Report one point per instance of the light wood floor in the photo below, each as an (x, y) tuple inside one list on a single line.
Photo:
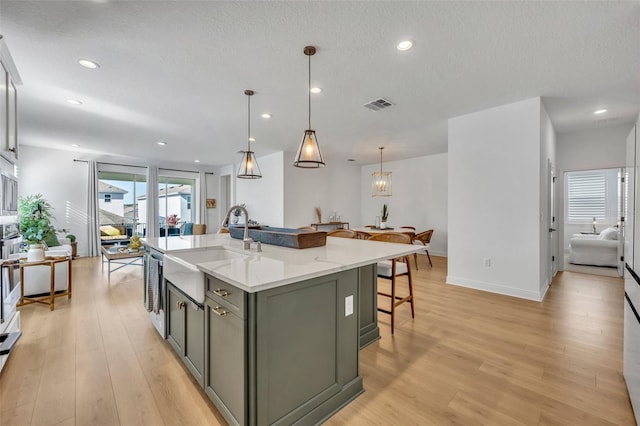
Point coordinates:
[(469, 357)]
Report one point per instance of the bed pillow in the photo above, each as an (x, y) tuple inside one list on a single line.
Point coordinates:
[(609, 234)]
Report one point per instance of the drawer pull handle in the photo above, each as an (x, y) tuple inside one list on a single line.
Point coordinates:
[(219, 311), (180, 304), (221, 292)]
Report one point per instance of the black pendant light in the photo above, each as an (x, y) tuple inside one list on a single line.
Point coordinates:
[(309, 155), (249, 166)]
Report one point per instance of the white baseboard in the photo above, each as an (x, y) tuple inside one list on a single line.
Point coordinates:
[(496, 288)]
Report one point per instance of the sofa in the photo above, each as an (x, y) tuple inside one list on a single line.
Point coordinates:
[(595, 250), (37, 278)]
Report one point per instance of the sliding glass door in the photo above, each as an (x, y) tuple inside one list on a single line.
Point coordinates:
[(122, 203), (177, 201)]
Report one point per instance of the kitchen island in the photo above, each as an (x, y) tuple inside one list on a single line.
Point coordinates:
[(273, 336)]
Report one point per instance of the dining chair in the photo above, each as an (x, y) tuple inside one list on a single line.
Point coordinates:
[(369, 226), (307, 228), (391, 269), (361, 235), (423, 238), (342, 233), (409, 227)]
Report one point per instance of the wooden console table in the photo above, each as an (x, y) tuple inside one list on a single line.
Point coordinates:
[(50, 298)]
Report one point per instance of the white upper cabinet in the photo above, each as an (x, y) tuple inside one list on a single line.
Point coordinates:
[(9, 79)]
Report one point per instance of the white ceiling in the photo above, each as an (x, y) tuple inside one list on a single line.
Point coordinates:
[(176, 71)]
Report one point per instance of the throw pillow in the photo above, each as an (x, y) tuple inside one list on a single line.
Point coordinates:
[(51, 240), (609, 234), (109, 230)]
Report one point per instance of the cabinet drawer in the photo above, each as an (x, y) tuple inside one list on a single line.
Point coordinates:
[(226, 295)]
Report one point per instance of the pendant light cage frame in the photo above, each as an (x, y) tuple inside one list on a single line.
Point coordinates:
[(249, 168), (381, 182), (309, 155)]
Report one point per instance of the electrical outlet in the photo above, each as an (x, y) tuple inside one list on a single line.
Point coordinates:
[(486, 262), (348, 306)]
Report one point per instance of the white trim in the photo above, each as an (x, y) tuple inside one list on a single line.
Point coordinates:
[(7, 61), (496, 288)]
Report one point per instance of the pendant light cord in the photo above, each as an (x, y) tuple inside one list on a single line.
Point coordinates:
[(309, 91), (249, 124), (381, 148)]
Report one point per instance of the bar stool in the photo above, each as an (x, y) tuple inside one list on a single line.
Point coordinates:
[(391, 269)]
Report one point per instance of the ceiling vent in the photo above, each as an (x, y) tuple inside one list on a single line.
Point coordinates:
[(378, 104)]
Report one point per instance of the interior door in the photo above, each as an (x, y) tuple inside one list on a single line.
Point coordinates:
[(551, 201), (622, 190)]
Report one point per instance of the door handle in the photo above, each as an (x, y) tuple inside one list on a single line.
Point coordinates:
[(552, 229)]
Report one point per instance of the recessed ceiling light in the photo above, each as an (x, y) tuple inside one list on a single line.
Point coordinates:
[(405, 45), (161, 143), (75, 145), (266, 115), (316, 90), (252, 139), (196, 161), (74, 102), (600, 111), (89, 64)]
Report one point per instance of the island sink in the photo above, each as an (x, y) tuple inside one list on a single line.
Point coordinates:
[(181, 268)]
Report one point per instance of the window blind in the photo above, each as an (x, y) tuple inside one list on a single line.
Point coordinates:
[(586, 196)]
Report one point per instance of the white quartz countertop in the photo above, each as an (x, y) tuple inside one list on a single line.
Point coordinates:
[(277, 266)]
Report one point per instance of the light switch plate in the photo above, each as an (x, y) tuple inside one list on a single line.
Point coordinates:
[(348, 306)]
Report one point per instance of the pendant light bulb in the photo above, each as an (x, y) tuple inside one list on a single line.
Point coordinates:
[(381, 181), (309, 155), (248, 165)]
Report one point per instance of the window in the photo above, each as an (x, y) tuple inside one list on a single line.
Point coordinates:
[(107, 198), (592, 194)]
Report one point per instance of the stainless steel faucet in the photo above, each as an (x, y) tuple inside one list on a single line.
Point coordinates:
[(245, 239)]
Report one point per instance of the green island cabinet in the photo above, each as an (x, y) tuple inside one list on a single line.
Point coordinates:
[(185, 330), (288, 354)]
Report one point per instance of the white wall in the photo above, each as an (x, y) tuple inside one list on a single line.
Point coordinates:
[(264, 197), (335, 187), (494, 205), (600, 148), (419, 197), (63, 182)]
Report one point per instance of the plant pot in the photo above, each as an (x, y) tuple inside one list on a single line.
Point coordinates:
[(35, 253), (383, 225)]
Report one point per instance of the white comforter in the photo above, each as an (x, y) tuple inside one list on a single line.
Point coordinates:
[(589, 250)]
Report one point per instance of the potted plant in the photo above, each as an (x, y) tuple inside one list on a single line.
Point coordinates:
[(35, 224), (74, 246), (385, 216), (173, 220)]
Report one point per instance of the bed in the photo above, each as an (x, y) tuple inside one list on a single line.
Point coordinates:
[(595, 250)]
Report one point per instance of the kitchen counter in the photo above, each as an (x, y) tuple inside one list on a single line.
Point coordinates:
[(276, 266), (273, 336)]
